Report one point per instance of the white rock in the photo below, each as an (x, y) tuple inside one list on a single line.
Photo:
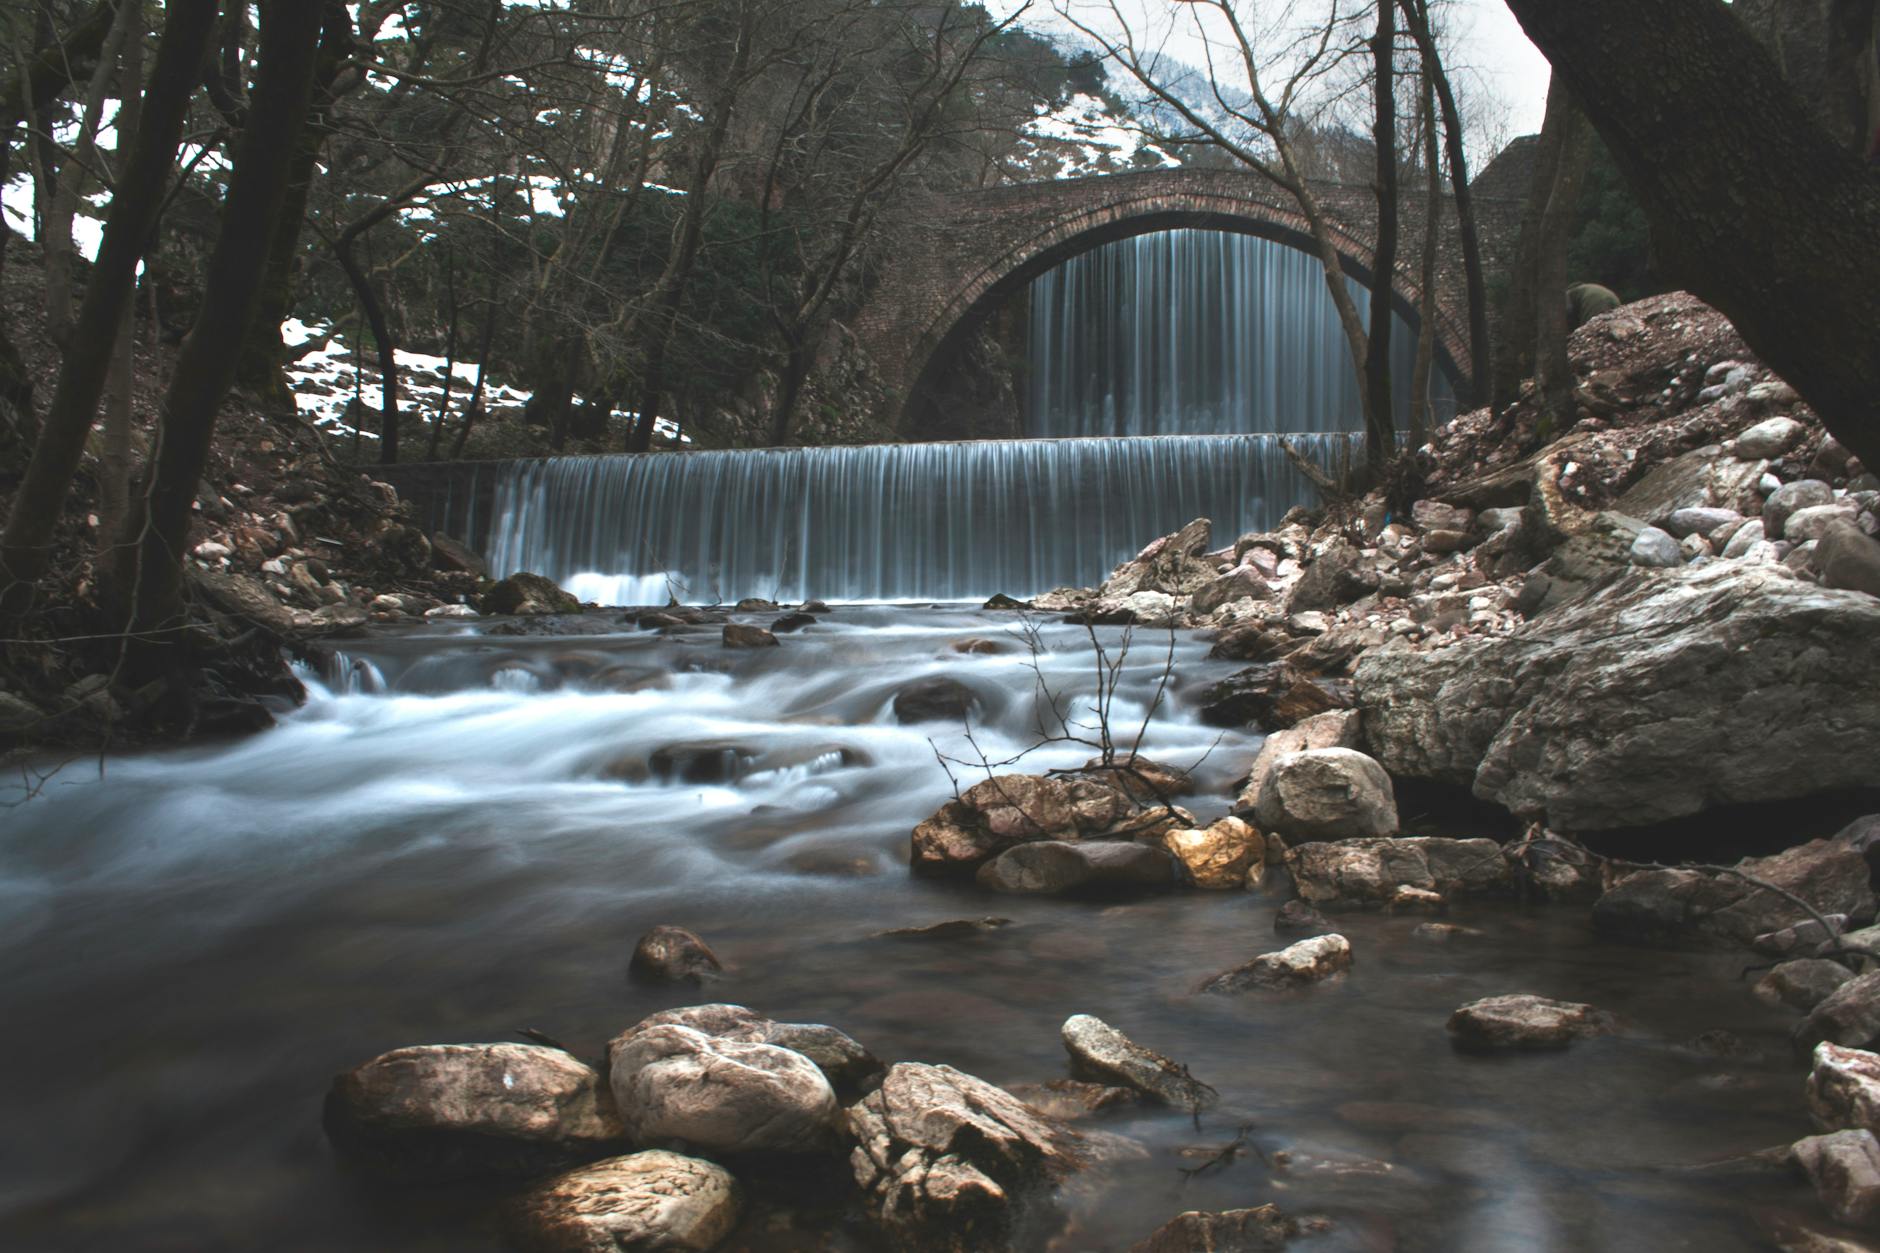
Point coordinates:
[(1771, 437)]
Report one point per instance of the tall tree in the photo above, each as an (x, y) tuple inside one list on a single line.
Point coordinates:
[(1752, 205), (156, 530), (1553, 371), (1377, 380), (1519, 315)]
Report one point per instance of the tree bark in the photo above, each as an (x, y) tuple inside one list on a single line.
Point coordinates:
[(1381, 413), (158, 527), (1553, 370), (25, 545), (114, 485), (1753, 207), (1513, 358), (55, 235), (1432, 239), (1475, 388)]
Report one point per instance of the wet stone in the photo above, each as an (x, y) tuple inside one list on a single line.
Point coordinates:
[(673, 955), (1801, 984), (1524, 1021), (1230, 1231), (1102, 1053), (651, 1200), (1308, 961)]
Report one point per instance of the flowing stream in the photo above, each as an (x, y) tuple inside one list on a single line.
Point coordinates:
[(462, 833)]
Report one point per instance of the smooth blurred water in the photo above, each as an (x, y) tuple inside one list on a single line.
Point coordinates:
[(462, 834), (1200, 332)]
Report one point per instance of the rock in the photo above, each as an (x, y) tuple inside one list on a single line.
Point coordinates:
[(1070, 1099), (1850, 1016), (517, 593), (935, 698), (1297, 916), (991, 817), (1655, 548), (243, 597), (1337, 576), (1745, 538), (1327, 794), (1805, 936), (1308, 961), (677, 1084), (1252, 641), (792, 622), (1241, 582), (1525, 1021), (1219, 857), (1367, 873), (1443, 932), (1431, 515), (1848, 558), (951, 929), (1149, 608), (1102, 1053), (1275, 694), (1844, 1088), (1801, 984), (845, 1063), (1702, 476), (1699, 520), (1658, 697), (454, 1111), (1262, 1230), (741, 635), (653, 1201), (452, 611), (19, 716), (1336, 729), (1771, 437), (1655, 906), (1806, 525), (1172, 565), (673, 955), (1845, 1168), (1060, 868), (948, 1163), (1138, 778), (1788, 499), (452, 554)]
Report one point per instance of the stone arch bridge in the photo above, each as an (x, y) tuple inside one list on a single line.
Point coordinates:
[(974, 249)]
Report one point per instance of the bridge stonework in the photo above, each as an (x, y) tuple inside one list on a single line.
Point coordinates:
[(973, 249)]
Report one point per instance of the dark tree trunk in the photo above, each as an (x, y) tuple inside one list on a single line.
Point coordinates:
[(1513, 357), (374, 310), (24, 547), (1380, 440), (1752, 206), (1432, 241), (1553, 370), (157, 529), (1474, 388), (450, 355)]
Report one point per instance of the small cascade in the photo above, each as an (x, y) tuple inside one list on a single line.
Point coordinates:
[(887, 522), (1199, 332)]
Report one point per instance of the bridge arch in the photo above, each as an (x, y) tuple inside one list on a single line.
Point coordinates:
[(987, 246)]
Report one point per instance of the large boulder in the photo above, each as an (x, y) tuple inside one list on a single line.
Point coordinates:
[(527, 593), (1659, 697), (1174, 565), (1656, 906), (1308, 961), (1327, 794), (1011, 809), (646, 1201), (1844, 1088), (1844, 1166), (1362, 874), (452, 1111), (1848, 558), (1101, 1053), (1093, 868), (1243, 582), (1850, 1016), (849, 1067), (948, 1163), (1219, 856), (1274, 694), (1337, 729), (1337, 576), (725, 1094)]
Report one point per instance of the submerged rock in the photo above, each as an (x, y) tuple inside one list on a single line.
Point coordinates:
[(948, 1163), (1060, 868), (1071, 1099), (673, 955), (1654, 906), (741, 635), (1327, 794), (1262, 1230), (1101, 1052), (1844, 1166), (652, 1200), (1297, 916), (1524, 1021), (1660, 696), (452, 1111), (1308, 961), (1801, 984), (935, 698)]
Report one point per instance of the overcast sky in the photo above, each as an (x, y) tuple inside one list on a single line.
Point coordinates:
[(1483, 32)]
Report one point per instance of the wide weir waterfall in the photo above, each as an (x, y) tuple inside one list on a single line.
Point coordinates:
[(884, 522), (1194, 332)]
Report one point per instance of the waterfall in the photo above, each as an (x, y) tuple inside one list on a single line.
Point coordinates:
[(884, 522), (1197, 331)]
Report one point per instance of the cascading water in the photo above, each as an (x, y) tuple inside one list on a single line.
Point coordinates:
[(1198, 332), (886, 522)]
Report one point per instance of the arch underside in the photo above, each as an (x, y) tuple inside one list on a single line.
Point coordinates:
[(999, 279)]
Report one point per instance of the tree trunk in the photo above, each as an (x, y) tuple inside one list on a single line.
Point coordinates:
[(1753, 207), (158, 527), (55, 235), (374, 310), (450, 356), (24, 546), (1552, 368), (1513, 358), (1381, 413), (1475, 388), (114, 486), (1432, 240)]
